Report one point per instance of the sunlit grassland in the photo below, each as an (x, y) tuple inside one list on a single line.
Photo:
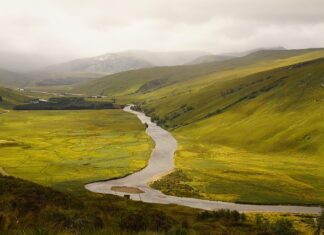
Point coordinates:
[(222, 173), (271, 156), (203, 92), (265, 149), (66, 149)]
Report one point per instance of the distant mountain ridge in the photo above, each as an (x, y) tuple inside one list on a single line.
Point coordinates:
[(128, 60)]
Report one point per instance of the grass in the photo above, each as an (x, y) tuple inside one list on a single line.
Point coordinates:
[(250, 129), (27, 208), (66, 149), (11, 98), (267, 148)]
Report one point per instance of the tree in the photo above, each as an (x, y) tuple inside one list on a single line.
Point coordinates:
[(284, 227), (319, 224)]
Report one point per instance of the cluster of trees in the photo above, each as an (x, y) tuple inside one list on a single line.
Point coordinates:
[(65, 103), (164, 122), (228, 215)]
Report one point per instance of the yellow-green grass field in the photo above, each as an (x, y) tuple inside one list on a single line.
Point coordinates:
[(263, 151), (66, 149), (268, 148)]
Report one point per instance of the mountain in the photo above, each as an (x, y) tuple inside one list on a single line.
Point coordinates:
[(170, 58), (210, 58), (12, 79), (129, 60), (245, 53), (108, 63)]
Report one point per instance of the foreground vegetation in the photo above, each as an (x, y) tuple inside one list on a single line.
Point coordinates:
[(27, 208), (66, 149)]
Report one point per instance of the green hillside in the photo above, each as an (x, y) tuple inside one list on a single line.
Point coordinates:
[(133, 84), (255, 138), (261, 142), (249, 128), (10, 98)]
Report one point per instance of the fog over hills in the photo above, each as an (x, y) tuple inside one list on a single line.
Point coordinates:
[(128, 60), (12, 79)]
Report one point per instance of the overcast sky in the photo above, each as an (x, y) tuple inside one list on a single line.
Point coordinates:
[(78, 28)]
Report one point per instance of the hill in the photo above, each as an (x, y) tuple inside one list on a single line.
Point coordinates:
[(257, 140), (210, 58), (10, 98), (11, 79), (48, 80), (139, 84), (240, 122)]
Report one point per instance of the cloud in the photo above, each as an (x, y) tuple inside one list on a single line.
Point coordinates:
[(73, 28)]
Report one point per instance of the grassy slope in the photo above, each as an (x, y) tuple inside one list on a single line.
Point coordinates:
[(262, 148), (11, 98), (275, 137), (66, 149), (145, 80)]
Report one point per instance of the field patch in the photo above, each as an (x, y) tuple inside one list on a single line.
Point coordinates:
[(66, 149)]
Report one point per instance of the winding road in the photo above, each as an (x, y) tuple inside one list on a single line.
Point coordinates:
[(160, 163)]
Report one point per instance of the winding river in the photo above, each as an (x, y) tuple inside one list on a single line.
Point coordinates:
[(161, 163)]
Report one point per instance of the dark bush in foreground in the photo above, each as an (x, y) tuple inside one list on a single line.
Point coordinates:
[(146, 221), (282, 226), (222, 214)]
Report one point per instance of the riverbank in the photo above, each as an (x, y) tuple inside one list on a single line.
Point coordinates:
[(162, 162)]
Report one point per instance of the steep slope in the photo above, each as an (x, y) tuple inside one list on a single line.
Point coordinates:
[(256, 140), (11, 79), (141, 84)]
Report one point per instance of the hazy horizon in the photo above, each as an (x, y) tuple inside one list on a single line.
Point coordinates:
[(37, 33)]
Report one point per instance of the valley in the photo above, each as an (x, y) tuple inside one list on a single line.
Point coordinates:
[(247, 134), (177, 117), (254, 123)]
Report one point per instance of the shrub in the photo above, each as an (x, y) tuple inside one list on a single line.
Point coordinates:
[(150, 220), (283, 227), (233, 216)]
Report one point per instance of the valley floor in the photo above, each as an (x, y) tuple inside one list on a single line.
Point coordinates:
[(66, 149), (227, 174)]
